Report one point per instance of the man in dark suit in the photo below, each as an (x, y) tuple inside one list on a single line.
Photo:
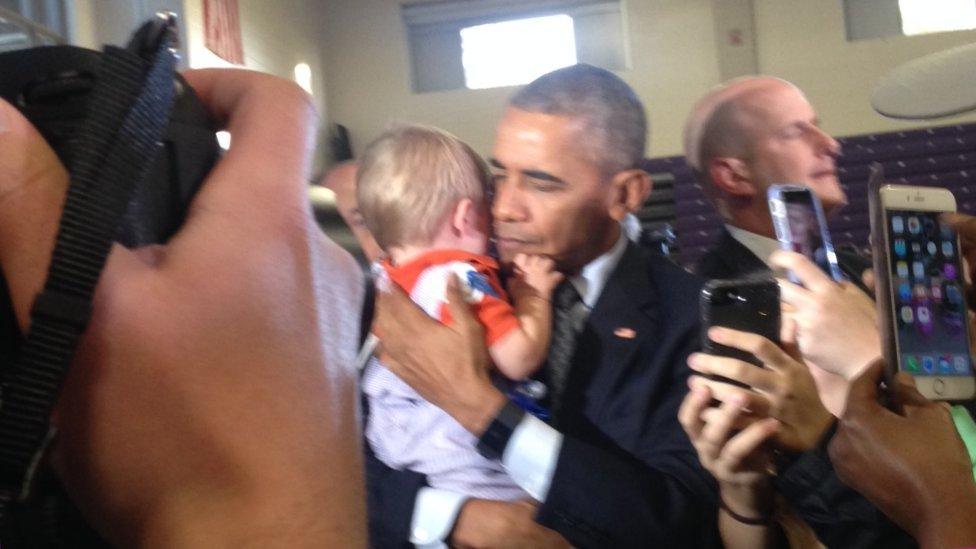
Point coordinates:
[(612, 468), (740, 139)]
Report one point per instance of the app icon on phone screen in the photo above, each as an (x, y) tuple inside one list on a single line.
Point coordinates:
[(907, 316), (900, 249), (914, 226), (897, 224), (924, 315), (904, 292)]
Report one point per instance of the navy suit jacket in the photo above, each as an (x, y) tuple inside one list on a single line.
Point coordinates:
[(626, 475)]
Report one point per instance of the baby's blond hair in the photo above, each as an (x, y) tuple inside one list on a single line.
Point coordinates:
[(412, 177)]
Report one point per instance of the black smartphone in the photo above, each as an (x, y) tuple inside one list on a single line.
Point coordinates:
[(746, 304), (800, 226)]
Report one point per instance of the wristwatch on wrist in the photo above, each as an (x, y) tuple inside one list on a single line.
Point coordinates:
[(495, 438)]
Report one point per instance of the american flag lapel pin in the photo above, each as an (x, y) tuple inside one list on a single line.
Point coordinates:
[(625, 333)]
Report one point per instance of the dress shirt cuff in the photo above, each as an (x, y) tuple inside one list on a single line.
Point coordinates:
[(434, 515), (531, 455)]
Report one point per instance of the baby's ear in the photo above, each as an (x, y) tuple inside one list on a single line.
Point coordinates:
[(465, 217)]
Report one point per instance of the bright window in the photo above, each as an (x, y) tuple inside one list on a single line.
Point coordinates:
[(516, 52), (925, 16), (303, 76)]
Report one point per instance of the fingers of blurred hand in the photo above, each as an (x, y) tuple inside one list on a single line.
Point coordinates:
[(716, 432), (806, 271), (862, 397), (272, 122), (520, 261), (396, 316), (795, 297), (964, 224), (690, 411), (746, 443), (788, 339), (787, 330), (734, 369), (905, 391), (742, 421), (753, 403), (546, 263), (868, 279), (765, 350)]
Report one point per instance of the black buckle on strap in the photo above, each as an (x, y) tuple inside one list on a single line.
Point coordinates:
[(62, 308)]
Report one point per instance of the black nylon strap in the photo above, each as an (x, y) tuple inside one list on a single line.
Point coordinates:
[(108, 161)]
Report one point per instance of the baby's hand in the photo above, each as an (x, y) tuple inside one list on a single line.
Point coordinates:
[(538, 273)]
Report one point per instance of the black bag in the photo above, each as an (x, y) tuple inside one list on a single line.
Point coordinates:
[(137, 144)]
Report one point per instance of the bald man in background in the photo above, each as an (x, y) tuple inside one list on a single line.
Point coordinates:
[(341, 180), (741, 138)]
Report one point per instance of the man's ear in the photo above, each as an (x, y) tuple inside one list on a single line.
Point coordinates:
[(731, 176), (630, 189)]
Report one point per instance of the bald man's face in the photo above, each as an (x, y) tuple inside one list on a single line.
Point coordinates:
[(788, 145)]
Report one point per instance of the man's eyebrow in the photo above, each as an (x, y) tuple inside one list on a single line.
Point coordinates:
[(534, 174), (543, 176)]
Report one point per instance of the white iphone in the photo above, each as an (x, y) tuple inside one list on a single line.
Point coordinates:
[(927, 292)]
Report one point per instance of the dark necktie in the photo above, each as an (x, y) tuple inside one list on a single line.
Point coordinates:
[(567, 315)]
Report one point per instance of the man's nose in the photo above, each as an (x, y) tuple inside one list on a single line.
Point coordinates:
[(507, 205), (829, 145)]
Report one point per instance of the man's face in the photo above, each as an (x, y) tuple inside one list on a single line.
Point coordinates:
[(789, 146), (549, 198), (342, 182)]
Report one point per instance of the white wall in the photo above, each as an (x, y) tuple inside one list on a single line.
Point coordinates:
[(277, 34), (673, 51), (100, 22), (671, 48), (804, 42)]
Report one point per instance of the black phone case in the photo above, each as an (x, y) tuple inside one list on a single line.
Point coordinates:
[(746, 304)]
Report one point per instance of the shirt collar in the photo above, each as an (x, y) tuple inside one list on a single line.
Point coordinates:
[(593, 277), (761, 246)]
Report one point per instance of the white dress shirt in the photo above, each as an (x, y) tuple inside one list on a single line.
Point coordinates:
[(533, 450), (761, 246)]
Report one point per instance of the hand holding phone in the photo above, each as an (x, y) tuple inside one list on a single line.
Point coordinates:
[(925, 289), (801, 227)]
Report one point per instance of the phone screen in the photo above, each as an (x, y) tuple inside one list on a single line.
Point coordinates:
[(928, 301), (806, 235)]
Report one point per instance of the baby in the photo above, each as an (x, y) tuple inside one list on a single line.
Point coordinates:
[(424, 196)]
